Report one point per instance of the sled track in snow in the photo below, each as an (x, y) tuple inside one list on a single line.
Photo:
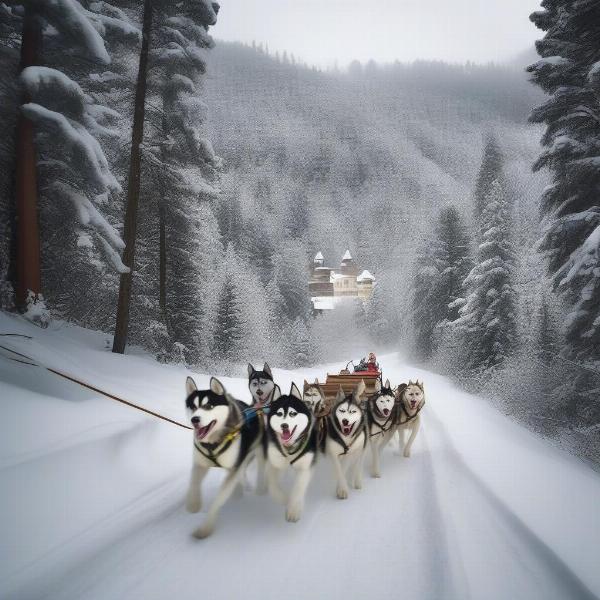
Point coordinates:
[(559, 576)]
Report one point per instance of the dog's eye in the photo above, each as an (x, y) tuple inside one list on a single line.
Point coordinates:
[(293, 413), (280, 413), (342, 410)]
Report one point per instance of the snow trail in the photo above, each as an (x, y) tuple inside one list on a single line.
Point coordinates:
[(92, 503)]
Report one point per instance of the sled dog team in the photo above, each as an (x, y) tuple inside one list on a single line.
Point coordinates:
[(290, 433)]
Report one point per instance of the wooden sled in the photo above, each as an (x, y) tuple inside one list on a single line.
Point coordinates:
[(349, 381)]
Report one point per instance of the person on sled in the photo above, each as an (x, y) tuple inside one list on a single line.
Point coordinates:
[(368, 364)]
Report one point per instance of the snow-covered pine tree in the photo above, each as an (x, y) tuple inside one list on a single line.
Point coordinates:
[(487, 318), (242, 331), (453, 258), (75, 178), (258, 247), (569, 71), (301, 345), (179, 243), (428, 308), (228, 333), (491, 170), (291, 275), (442, 267), (185, 171)]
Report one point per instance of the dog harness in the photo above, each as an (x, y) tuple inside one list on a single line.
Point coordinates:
[(389, 421), (213, 451), (359, 430), (301, 444), (409, 418)]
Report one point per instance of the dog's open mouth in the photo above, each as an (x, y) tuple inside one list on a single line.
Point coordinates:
[(386, 412), (347, 429), (287, 435), (413, 404), (202, 432)]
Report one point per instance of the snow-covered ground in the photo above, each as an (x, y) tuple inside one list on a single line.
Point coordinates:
[(91, 502)]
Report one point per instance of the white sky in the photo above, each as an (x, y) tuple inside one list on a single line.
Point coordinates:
[(323, 31)]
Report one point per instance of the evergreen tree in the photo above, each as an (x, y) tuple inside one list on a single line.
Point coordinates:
[(452, 259), (258, 247), (228, 330), (569, 71), (301, 350), (428, 307), (291, 275), (442, 267), (179, 172), (491, 170), (68, 123), (487, 318)]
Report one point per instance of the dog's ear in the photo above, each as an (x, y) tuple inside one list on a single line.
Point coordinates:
[(316, 381), (305, 386), (377, 385), (217, 387), (267, 369), (295, 392), (387, 384), (276, 393), (250, 369), (340, 395), (360, 389), (410, 382), (190, 386)]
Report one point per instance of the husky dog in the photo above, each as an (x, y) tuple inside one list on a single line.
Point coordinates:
[(313, 396), (382, 422), (261, 385), (347, 437), (223, 437), (410, 400), (291, 441)]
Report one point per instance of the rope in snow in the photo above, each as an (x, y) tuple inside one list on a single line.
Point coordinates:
[(24, 359)]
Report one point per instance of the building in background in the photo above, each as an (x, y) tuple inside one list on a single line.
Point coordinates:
[(328, 285)]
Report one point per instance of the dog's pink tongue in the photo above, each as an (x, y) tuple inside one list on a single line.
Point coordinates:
[(286, 434), (202, 431)]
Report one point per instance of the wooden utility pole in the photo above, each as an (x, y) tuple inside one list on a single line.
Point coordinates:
[(27, 230), (133, 187)]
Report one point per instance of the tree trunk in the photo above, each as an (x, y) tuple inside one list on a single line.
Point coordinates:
[(162, 285), (133, 188), (28, 236)]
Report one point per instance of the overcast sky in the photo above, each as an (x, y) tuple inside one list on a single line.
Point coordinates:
[(323, 31)]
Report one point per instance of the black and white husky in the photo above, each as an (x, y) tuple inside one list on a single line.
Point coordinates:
[(261, 385), (313, 396), (347, 437), (382, 422), (410, 401), (291, 442), (223, 437)]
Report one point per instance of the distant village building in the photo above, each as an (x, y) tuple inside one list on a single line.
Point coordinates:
[(327, 285)]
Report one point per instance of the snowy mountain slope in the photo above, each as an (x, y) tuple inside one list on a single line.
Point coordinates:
[(92, 498)]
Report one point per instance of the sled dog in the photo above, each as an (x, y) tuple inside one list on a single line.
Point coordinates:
[(346, 438), (223, 437), (381, 422), (313, 396), (410, 401), (261, 385), (291, 441)]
